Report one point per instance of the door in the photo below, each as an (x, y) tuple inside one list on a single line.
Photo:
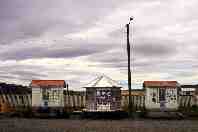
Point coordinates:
[(162, 98)]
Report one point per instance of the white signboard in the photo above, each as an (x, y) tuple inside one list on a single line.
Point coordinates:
[(103, 99)]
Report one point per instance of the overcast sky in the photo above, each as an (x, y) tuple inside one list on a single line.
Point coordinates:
[(79, 40)]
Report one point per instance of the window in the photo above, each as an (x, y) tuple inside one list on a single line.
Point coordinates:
[(54, 96), (188, 93), (46, 104), (45, 94)]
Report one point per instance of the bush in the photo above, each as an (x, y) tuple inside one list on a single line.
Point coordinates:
[(194, 108)]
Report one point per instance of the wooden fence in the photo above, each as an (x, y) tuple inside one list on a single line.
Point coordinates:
[(74, 101), (8, 101), (187, 101), (138, 102), (78, 101)]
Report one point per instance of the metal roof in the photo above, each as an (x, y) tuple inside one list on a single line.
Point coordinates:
[(103, 81), (160, 84), (48, 83), (189, 86)]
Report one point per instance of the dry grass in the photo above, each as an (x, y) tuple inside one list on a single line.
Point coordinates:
[(66, 125)]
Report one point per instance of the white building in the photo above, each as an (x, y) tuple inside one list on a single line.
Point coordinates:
[(161, 95), (47, 93), (103, 94)]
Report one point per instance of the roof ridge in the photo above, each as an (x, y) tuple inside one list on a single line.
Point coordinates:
[(103, 81), (99, 78), (111, 80)]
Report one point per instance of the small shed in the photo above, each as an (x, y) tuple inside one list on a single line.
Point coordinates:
[(47, 93), (188, 90), (161, 95), (103, 94)]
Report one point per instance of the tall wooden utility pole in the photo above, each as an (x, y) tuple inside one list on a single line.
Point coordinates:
[(129, 69), (68, 98)]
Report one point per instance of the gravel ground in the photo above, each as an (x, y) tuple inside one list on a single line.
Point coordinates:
[(66, 125)]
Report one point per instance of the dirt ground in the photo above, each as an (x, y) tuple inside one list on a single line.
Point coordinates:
[(68, 125)]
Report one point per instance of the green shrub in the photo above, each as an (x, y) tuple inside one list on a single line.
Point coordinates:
[(194, 108)]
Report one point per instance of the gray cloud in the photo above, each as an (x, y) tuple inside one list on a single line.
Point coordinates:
[(23, 19), (161, 32), (57, 50), (155, 49), (21, 73), (144, 52)]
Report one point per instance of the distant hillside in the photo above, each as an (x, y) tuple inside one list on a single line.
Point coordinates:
[(13, 89)]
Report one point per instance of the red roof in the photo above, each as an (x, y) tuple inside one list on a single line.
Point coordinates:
[(160, 84), (48, 83)]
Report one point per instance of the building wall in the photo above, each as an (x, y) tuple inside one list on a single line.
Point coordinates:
[(36, 97), (116, 93), (55, 99), (96, 102), (153, 102), (90, 99)]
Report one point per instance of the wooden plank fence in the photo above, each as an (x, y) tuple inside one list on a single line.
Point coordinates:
[(186, 101), (10, 102), (77, 102), (138, 102)]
